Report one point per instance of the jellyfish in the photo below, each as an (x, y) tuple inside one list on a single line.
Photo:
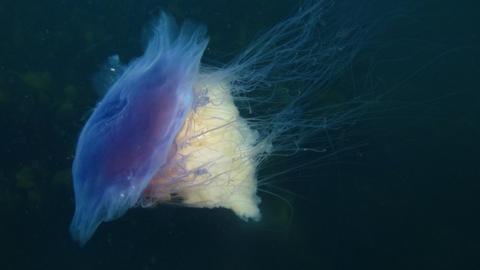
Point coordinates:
[(172, 128)]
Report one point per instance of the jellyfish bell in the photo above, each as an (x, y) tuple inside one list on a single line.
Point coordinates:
[(130, 135), (171, 129)]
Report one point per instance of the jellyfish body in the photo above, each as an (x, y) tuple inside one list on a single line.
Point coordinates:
[(130, 135), (169, 128)]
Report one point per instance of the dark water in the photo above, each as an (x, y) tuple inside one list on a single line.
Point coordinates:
[(406, 199)]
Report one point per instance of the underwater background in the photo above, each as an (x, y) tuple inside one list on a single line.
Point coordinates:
[(405, 196)]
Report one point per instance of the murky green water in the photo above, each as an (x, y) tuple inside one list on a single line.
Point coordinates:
[(405, 198)]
